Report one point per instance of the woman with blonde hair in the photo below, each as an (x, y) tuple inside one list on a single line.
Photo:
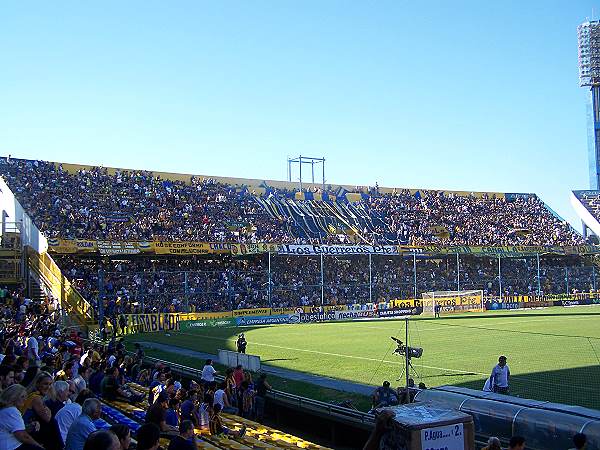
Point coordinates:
[(35, 410), (12, 428)]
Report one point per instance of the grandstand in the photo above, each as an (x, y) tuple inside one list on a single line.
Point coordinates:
[(115, 252)]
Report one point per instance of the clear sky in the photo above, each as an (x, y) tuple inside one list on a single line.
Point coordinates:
[(466, 95)]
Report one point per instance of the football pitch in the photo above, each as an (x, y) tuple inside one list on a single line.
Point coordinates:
[(553, 353)]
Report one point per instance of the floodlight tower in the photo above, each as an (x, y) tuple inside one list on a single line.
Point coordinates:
[(588, 35)]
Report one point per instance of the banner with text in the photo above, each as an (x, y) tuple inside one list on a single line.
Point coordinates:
[(190, 248)]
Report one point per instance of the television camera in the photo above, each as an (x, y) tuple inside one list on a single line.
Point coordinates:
[(407, 352)]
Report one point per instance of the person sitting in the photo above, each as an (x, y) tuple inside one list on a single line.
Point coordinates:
[(34, 410), (384, 396), (172, 416), (516, 443), (70, 412), (216, 424), (102, 440), (185, 440), (83, 425), (57, 396), (157, 414), (13, 434), (407, 395), (493, 443), (123, 434), (112, 390), (148, 437)]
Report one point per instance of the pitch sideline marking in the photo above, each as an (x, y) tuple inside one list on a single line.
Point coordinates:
[(466, 372)]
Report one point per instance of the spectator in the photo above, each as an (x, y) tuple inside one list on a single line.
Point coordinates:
[(102, 440), (123, 433), (208, 372), (216, 424), (57, 396), (81, 380), (516, 443), (148, 437), (384, 396), (579, 441), (205, 411), (493, 443), (83, 425), (7, 376), (157, 414), (188, 407), (262, 387), (185, 440), (70, 412), (12, 428), (220, 398), (172, 416), (34, 410)]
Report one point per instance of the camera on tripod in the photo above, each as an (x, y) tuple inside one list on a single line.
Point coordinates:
[(408, 352)]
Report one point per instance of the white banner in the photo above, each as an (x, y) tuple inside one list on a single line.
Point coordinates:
[(448, 437), (355, 315), (337, 250)]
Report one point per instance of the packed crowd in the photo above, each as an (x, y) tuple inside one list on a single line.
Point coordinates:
[(225, 283), (51, 383), (137, 205)]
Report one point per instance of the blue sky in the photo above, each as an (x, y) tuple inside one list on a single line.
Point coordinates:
[(448, 95)]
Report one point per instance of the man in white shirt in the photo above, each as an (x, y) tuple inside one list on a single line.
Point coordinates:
[(221, 398), (70, 412), (208, 372), (32, 350), (500, 376)]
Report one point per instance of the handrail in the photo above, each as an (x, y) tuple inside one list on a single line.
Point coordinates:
[(45, 267)]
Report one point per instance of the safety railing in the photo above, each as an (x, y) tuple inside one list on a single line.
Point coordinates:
[(51, 276)]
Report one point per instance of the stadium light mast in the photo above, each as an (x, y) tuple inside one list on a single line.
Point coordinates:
[(588, 36), (300, 160)]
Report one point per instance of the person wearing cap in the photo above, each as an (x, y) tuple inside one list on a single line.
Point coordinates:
[(500, 376)]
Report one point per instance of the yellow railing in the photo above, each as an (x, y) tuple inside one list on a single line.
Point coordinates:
[(51, 276)]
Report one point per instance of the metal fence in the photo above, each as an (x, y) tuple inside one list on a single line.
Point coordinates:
[(279, 281)]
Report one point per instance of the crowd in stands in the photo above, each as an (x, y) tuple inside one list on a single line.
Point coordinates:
[(137, 205), (225, 283), (53, 385)]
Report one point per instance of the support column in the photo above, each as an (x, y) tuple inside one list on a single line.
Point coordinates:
[(500, 277), (269, 279), (539, 282), (186, 292), (322, 283), (414, 276), (457, 272), (370, 279)]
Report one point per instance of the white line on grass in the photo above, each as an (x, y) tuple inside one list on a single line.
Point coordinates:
[(464, 372), (339, 355)]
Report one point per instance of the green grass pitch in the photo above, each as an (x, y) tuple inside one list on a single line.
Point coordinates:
[(553, 353)]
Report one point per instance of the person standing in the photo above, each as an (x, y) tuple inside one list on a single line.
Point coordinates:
[(500, 376), (208, 372), (241, 343)]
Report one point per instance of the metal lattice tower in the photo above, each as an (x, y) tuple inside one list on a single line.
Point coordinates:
[(588, 34)]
